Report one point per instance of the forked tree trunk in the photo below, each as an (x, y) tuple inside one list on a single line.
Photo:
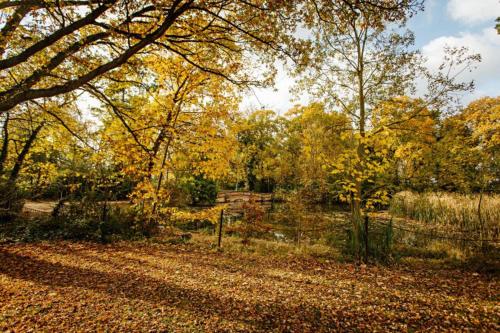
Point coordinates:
[(14, 174)]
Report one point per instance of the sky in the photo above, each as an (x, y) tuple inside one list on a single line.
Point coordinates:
[(467, 23)]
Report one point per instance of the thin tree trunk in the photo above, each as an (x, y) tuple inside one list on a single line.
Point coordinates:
[(164, 160), (357, 198), (154, 152), (5, 143), (366, 239)]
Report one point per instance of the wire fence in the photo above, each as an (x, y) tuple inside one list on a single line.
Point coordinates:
[(377, 221), (436, 236)]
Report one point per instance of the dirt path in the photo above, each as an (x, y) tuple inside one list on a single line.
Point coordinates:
[(46, 207), (41, 207), (233, 200), (61, 286)]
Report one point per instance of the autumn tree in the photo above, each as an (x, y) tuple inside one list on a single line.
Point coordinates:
[(305, 151), (467, 152), (36, 138), (359, 63), (288, 152), (21, 130), (163, 133), (411, 143), (257, 138), (361, 59), (50, 48)]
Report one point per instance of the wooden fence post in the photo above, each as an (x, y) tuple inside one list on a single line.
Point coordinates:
[(220, 228), (366, 239)]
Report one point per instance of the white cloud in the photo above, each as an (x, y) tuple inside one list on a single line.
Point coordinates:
[(277, 98), (486, 76), (474, 11), (486, 43)]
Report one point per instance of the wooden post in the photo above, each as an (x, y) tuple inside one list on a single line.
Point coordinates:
[(366, 239), (220, 228), (105, 211)]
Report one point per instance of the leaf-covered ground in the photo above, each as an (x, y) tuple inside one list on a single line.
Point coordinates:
[(63, 286)]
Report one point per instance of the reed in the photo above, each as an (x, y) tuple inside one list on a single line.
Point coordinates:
[(473, 215)]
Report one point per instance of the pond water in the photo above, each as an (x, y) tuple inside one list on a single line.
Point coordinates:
[(284, 221)]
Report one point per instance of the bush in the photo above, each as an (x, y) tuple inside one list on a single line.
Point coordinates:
[(80, 220), (300, 221), (252, 224), (11, 202), (201, 190)]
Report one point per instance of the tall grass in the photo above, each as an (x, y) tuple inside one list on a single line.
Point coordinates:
[(472, 215)]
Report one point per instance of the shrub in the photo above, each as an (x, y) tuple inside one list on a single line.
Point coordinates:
[(11, 202), (81, 220), (201, 190), (252, 224)]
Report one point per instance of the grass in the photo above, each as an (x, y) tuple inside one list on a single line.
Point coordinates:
[(262, 247)]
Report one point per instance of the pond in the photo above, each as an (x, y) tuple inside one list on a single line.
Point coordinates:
[(283, 221)]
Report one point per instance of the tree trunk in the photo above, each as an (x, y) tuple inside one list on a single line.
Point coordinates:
[(355, 221), (165, 155), (5, 144), (154, 152), (14, 174), (358, 195)]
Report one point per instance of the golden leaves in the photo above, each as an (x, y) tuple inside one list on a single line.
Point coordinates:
[(147, 287)]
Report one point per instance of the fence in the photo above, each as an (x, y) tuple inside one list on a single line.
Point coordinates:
[(436, 236)]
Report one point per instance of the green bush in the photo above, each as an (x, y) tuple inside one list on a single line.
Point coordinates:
[(11, 202), (202, 191), (80, 220)]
